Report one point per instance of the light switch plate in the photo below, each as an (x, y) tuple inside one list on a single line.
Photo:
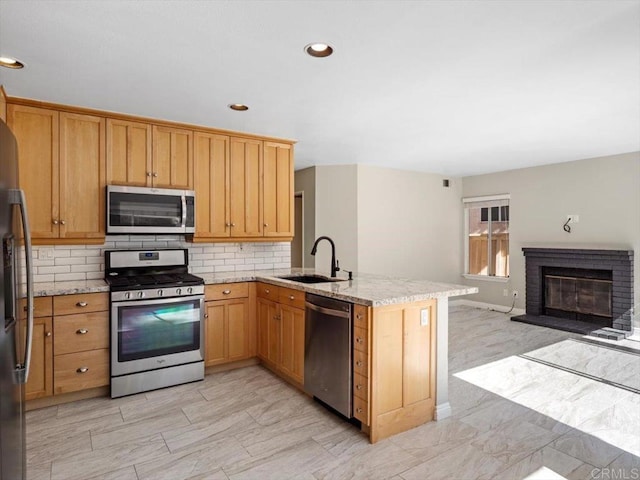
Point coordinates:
[(424, 317)]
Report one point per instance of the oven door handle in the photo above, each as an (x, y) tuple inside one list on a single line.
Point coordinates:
[(184, 211)]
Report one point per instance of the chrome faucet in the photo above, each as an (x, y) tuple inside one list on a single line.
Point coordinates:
[(335, 265)]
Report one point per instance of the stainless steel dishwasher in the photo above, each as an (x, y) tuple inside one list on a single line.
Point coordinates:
[(327, 352)]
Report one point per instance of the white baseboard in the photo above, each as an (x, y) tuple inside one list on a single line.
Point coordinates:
[(443, 411), (486, 306)]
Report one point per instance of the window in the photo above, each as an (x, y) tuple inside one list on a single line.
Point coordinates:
[(487, 236)]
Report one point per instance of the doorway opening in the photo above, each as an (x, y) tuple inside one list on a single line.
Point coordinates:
[(297, 244)]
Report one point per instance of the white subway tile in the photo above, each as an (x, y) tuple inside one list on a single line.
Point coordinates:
[(224, 268), (62, 277), (211, 263), (43, 263), (218, 256), (234, 261), (58, 252), (244, 268), (95, 275), (282, 265), (202, 256), (154, 244), (85, 268), (195, 263), (42, 278), (57, 269), (97, 260), (71, 261)]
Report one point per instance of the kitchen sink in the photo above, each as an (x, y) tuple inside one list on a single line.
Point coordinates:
[(312, 279)]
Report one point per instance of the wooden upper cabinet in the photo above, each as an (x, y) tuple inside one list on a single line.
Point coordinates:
[(128, 153), (36, 130), (278, 190), (246, 187), (211, 184), (172, 158), (82, 176)]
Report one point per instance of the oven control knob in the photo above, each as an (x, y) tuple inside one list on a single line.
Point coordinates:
[(189, 290), (140, 294), (160, 293), (178, 291), (127, 295)]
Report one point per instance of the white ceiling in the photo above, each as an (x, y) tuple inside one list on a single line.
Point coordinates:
[(451, 87)]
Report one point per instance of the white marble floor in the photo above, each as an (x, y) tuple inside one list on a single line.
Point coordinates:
[(513, 418)]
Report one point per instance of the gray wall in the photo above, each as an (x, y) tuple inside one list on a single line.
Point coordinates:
[(604, 192), (305, 181), (409, 225)]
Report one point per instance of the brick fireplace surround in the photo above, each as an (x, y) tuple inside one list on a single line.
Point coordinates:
[(619, 262)]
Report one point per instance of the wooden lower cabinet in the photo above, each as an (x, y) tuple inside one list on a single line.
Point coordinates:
[(40, 381), (226, 331), (281, 331), (81, 370), (229, 327), (403, 367)]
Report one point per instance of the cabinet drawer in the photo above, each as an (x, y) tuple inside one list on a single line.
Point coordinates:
[(360, 341), (79, 371), (42, 307), (224, 291), (268, 291), (361, 363), (80, 303), (294, 298), (361, 386), (361, 410), (360, 316), (81, 332)]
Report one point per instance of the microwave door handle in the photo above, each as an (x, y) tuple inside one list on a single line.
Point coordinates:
[(184, 211), (18, 198)]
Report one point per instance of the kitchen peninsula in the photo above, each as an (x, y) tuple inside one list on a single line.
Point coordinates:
[(400, 365)]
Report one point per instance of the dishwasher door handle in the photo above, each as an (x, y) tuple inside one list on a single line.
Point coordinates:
[(328, 311)]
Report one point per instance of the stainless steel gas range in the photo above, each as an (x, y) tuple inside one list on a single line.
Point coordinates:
[(157, 311)]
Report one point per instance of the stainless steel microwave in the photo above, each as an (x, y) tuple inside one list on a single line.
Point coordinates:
[(150, 210)]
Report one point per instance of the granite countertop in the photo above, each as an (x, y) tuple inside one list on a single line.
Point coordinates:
[(365, 289)]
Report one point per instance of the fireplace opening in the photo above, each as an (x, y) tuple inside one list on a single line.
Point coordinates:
[(578, 294)]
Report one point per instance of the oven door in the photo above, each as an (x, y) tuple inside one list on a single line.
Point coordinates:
[(158, 333)]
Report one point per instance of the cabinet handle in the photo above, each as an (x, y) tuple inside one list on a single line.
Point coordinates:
[(82, 370), (266, 290), (359, 340), (226, 292), (358, 387), (227, 224), (55, 222), (265, 224), (358, 363), (206, 315), (48, 334), (82, 331), (62, 222), (359, 410), (358, 316), (148, 174), (155, 174), (291, 297), (233, 224), (81, 304)]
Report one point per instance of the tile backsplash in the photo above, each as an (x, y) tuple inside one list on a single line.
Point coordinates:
[(86, 262)]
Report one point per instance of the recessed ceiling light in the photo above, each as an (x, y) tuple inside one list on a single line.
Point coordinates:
[(10, 62), (318, 50), (238, 107)]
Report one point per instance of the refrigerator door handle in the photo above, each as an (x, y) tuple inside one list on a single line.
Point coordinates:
[(17, 197)]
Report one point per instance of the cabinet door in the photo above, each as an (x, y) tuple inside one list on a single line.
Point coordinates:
[(237, 329), (82, 176), (172, 158), (292, 359), (278, 190), (36, 130), (40, 381), (215, 333), (246, 187), (211, 183), (128, 153)]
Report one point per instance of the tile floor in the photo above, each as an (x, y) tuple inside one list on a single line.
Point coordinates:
[(512, 417)]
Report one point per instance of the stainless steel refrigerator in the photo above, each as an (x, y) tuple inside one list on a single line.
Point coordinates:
[(15, 328)]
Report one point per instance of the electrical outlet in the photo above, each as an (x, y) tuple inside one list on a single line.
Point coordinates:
[(505, 292), (424, 317), (515, 293), (573, 218), (45, 253)]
